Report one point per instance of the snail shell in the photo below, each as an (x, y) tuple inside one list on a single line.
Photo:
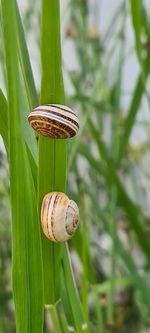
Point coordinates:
[(54, 120), (59, 216)]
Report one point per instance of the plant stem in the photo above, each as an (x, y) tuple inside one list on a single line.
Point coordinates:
[(52, 153)]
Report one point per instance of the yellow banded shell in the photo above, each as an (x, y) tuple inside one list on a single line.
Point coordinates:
[(59, 216), (54, 120)]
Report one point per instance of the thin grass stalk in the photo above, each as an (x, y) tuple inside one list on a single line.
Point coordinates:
[(99, 313), (84, 240), (52, 153), (26, 246), (136, 15), (63, 319), (4, 119), (72, 293), (55, 319), (134, 106), (25, 63), (115, 151)]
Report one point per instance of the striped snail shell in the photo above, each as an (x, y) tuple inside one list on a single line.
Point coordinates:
[(59, 216), (54, 120)]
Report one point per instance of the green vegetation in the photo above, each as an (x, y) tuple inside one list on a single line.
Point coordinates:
[(98, 282)]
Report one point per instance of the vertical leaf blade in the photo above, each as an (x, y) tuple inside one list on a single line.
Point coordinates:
[(4, 119), (26, 248), (52, 153), (136, 11)]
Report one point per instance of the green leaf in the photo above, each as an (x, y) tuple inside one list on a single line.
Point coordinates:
[(134, 107), (55, 318), (25, 63), (52, 153), (4, 119), (108, 171), (72, 293), (136, 11), (121, 252), (26, 245), (29, 98)]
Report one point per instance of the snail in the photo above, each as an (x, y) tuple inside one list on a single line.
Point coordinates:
[(59, 216), (54, 120)]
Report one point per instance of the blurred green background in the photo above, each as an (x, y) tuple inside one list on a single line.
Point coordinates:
[(106, 63)]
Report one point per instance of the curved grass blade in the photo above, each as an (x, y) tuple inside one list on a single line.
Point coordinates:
[(26, 248)]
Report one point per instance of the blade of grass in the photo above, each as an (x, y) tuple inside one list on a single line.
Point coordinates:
[(88, 270), (4, 119), (26, 249), (112, 179), (84, 253), (4, 133), (28, 88), (27, 132), (134, 107), (25, 63), (59, 151), (136, 11), (115, 149), (72, 292), (55, 318), (30, 99), (125, 256), (52, 153), (76, 142), (99, 314), (63, 320)]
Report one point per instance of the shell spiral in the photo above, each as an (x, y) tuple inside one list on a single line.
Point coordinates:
[(54, 120), (59, 216)]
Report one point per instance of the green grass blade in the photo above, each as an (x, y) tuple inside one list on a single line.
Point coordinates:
[(134, 275), (52, 153), (25, 63), (26, 249), (27, 131), (134, 107), (99, 313), (63, 319), (29, 95), (4, 119), (72, 293), (76, 142), (111, 178), (30, 99), (136, 11), (55, 319)]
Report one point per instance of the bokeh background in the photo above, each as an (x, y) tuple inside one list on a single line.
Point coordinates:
[(106, 56)]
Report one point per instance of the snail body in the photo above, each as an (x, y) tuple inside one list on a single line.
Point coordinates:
[(54, 120), (59, 216)]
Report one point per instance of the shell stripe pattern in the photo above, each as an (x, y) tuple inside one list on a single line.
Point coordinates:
[(59, 216), (53, 120)]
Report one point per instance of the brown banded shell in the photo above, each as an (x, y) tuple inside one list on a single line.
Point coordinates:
[(59, 216), (54, 120)]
